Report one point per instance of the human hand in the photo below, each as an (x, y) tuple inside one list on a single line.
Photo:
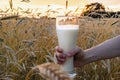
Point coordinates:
[(77, 53)]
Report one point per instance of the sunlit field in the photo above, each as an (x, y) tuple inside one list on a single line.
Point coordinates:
[(26, 42)]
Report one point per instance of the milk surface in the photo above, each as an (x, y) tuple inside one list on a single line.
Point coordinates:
[(67, 36)]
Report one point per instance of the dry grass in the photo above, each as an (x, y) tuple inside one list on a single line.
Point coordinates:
[(25, 42)]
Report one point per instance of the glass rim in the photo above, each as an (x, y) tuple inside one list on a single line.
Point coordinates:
[(66, 20)]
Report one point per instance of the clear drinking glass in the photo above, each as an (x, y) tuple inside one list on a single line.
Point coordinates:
[(67, 29)]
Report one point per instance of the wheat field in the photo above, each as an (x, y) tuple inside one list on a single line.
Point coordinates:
[(27, 42)]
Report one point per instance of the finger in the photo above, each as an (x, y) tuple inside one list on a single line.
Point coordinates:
[(60, 58), (73, 52), (59, 61), (60, 55), (58, 49)]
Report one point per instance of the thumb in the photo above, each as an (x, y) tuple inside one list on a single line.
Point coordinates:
[(73, 52)]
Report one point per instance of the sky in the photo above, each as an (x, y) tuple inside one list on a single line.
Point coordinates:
[(76, 3), (44, 2), (60, 2)]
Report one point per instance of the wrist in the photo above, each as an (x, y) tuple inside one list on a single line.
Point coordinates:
[(81, 59), (89, 56)]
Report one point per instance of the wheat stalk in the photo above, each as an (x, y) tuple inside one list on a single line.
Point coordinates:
[(51, 71), (11, 4), (9, 17), (66, 4)]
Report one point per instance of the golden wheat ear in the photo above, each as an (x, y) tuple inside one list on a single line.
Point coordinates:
[(51, 71)]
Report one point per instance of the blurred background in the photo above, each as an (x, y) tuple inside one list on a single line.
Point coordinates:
[(28, 35)]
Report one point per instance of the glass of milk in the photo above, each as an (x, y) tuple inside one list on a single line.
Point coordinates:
[(67, 29)]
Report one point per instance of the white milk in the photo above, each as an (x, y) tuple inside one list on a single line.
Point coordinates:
[(67, 35)]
